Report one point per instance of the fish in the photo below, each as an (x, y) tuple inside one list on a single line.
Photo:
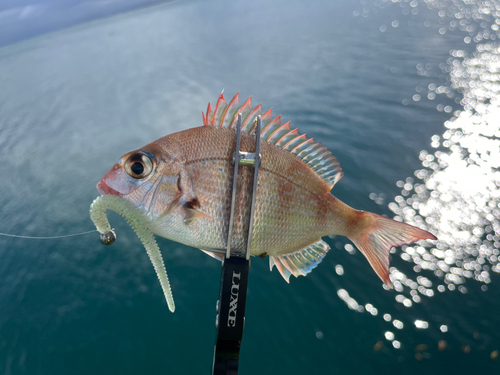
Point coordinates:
[(182, 185)]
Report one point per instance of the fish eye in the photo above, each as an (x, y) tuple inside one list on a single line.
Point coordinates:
[(139, 166)]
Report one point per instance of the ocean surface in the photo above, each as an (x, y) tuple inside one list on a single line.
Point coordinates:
[(406, 95)]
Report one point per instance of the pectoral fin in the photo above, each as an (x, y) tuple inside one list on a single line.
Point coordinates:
[(187, 198), (193, 213)]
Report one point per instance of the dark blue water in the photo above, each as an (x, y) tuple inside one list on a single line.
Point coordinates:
[(405, 95)]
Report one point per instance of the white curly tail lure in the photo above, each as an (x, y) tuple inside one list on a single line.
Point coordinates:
[(138, 223)]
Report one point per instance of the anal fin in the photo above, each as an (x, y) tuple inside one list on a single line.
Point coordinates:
[(301, 262)]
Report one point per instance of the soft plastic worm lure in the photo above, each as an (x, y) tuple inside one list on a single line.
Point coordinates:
[(139, 225)]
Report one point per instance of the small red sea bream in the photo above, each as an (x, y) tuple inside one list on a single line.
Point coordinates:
[(182, 185)]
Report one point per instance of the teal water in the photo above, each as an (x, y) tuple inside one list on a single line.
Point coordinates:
[(404, 94)]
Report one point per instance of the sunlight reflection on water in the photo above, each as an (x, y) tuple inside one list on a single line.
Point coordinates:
[(459, 199), (456, 194)]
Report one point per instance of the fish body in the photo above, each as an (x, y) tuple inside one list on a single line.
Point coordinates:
[(182, 183)]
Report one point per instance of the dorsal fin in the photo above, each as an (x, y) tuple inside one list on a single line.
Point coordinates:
[(321, 161)]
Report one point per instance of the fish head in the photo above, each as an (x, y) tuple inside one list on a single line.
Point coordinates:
[(146, 177)]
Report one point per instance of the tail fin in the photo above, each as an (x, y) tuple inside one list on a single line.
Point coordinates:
[(380, 235)]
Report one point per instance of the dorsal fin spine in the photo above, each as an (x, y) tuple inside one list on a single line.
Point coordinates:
[(219, 107), (228, 115), (309, 152), (323, 167), (266, 117), (295, 142), (275, 121), (319, 153), (292, 134), (279, 132), (247, 123), (244, 109), (303, 146), (209, 112), (329, 173), (252, 129), (316, 156), (320, 157)]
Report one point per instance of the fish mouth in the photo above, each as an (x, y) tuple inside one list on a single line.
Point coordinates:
[(104, 189)]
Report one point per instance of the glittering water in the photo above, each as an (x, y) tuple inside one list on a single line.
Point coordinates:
[(404, 93), (455, 195)]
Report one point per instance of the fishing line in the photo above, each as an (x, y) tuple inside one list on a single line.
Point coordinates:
[(47, 238)]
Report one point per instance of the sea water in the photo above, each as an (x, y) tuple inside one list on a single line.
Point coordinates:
[(404, 94)]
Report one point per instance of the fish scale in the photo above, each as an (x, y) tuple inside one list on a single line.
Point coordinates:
[(281, 204), (183, 184)]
